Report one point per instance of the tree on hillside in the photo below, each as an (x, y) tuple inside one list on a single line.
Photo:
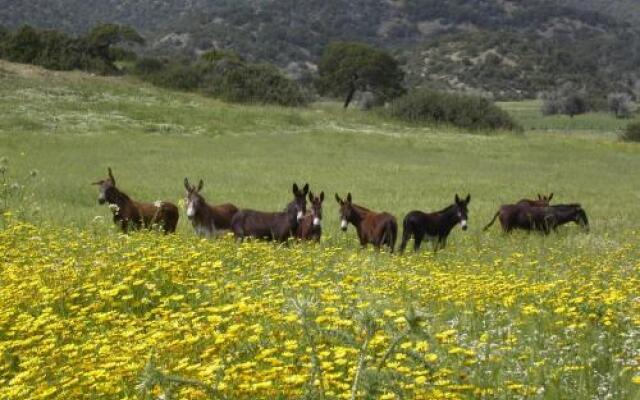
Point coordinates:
[(346, 66), (102, 38), (619, 104), (565, 100)]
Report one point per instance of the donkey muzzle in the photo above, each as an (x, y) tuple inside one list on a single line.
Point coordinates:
[(463, 224)]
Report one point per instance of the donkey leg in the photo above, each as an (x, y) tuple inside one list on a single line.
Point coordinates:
[(417, 240), (406, 236)]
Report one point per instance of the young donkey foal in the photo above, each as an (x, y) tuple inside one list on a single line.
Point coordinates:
[(278, 226), (128, 213), (207, 219), (379, 229), (310, 227), (434, 226)]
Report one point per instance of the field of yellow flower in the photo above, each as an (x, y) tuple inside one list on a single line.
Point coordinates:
[(88, 315)]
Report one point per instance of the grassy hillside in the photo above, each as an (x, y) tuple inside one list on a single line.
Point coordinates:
[(534, 44), (70, 127), (89, 313)]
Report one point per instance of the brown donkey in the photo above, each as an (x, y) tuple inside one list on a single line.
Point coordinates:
[(508, 213), (376, 228), (206, 219), (128, 213), (310, 228), (276, 226)]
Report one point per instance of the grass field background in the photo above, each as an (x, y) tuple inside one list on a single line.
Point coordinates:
[(69, 127), (86, 309)]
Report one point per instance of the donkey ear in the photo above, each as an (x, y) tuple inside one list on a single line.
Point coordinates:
[(113, 180), (338, 199), (539, 197), (311, 197), (295, 189), (468, 199), (457, 199), (321, 197), (100, 182), (550, 196), (200, 185), (305, 189), (186, 185), (349, 198)]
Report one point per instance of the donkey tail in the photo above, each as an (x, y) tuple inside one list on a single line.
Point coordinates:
[(492, 221), (389, 235)]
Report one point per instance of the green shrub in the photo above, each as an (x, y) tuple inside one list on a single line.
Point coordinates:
[(259, 83), (632, 132), (55, 50), (174, 75), (229, 79), (469, 112)]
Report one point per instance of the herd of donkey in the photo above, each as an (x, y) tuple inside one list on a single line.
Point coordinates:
[(376, 228)]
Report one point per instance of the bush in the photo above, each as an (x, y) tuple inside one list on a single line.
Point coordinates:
[(55, 50), (229, 79), (377, 71), (565, 100), (469, 112), (632, 132), (619, 104), (175, 75)]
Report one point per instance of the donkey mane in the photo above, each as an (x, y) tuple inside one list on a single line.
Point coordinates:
[(361, 208), (446, 209), (120, 194), (570, 205)]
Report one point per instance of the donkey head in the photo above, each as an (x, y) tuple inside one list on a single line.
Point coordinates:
[(346, 210), (299, 203), (193, 199), (461, 210), (107, 188), (316, 207)]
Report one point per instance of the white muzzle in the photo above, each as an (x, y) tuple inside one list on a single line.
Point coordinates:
[(191, 211), (343, 224), (300, 215), (316, 221)]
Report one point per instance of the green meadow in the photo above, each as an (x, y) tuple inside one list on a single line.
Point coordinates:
[(68, 127), (90, 313)]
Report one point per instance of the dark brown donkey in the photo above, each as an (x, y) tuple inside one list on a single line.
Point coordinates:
[(310, 228), (379, 229), (133, 214), (278, 226), (508, 213), (206, 219), (434, 226), (547, 219)]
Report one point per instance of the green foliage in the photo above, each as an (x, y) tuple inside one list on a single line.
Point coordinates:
[(619, 104), (224, 76), (258, 83), (22, 46), (566, 100), (632, 132), (179, 75), (59, 51), (376, 69), (468, 112)]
